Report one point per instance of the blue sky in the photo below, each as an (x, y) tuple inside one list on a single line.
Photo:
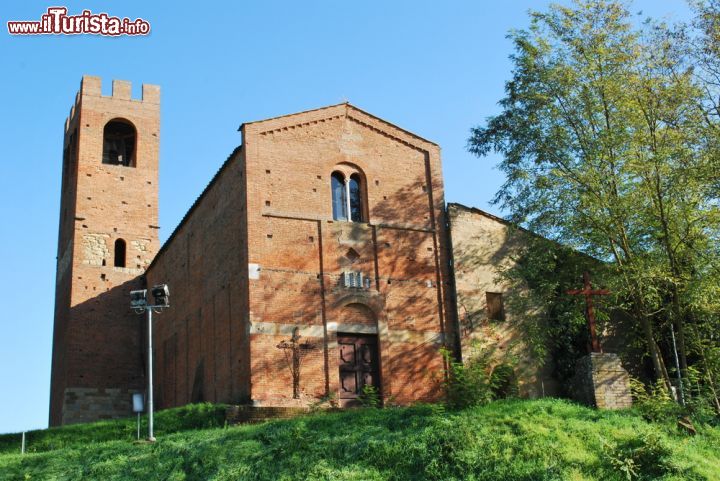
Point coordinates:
[(434, 68)]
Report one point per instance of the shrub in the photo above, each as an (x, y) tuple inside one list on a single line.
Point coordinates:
[(700, 399), (477, 381), (370, 397), (503, 382), (646, 457), (654, 402)]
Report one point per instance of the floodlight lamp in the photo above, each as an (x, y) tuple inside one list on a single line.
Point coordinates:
[(161, 293), (138, 298)]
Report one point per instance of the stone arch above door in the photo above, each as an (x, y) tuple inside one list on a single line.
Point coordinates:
[(355, 314)]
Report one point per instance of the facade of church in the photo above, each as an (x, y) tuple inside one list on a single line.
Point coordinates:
[(316, 266)]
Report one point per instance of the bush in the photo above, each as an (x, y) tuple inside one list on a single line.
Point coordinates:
[(503, 382), (370, 397), (654, 402), (477, 381), (700, 400), (647, 457)]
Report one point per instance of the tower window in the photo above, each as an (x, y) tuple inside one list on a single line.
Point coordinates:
[(119, 143), (120, 249), (495, 309), (339, 196)]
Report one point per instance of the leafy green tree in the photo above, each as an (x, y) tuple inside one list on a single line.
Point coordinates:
[(609, 137)]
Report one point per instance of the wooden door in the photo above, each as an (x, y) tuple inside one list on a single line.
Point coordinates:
[(358, 367)]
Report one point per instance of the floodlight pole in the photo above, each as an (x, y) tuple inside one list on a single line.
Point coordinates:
[(139, 303), (151, 434), (151, 409)]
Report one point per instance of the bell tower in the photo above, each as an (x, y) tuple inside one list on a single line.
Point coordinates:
[(108, 236)]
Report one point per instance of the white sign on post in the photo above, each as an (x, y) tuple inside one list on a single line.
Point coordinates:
[(138, 402)]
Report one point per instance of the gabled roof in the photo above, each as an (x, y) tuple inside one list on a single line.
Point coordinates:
[(299, 118), (475, 210), (344, 109), (513, 225)]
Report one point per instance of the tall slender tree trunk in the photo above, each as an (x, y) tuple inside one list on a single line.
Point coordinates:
[(680, 325), (674, 268), (663, 367), (639, 311), (653, 349)]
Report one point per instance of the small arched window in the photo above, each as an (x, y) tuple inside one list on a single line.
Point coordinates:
[(120, 249), (355, 195), (339, 196), (119, 143)]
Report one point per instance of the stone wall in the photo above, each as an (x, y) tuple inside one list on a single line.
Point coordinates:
[(82, 405), (483, 247), (601, 381)]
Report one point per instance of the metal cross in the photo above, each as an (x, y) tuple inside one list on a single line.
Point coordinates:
[(588, 292), (294, 352)]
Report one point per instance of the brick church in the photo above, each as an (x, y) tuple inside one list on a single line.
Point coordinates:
[(283, 293)]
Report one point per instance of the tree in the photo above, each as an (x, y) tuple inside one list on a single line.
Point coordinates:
[(609, 138)]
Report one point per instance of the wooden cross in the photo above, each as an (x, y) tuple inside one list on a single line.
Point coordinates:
[(588, 292), (294, 351)]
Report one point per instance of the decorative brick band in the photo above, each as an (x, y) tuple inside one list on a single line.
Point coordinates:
[(395, 335)]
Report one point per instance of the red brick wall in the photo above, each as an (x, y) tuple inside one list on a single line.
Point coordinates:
[(268, 211), (302, 253), (201, 340), (97, 339)]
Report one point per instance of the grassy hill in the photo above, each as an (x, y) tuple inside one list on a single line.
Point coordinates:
[(506, 440)]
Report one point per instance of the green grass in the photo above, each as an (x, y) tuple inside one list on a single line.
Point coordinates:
[(507, 440), (194, 416)]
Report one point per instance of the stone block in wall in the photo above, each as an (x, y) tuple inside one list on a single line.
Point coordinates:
[(84, 405), (602, 382)]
